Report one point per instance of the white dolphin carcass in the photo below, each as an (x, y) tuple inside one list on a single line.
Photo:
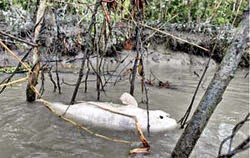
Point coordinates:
[(115, 116)]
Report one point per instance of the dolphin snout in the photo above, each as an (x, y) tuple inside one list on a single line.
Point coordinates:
[(172, 124)]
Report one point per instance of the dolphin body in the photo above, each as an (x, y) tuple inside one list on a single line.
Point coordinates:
[(108, 115)]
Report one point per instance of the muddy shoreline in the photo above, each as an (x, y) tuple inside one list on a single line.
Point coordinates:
[(60, 38)]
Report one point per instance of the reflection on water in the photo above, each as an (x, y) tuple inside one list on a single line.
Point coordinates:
[(30, 130)]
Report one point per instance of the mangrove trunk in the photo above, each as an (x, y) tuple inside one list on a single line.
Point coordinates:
[(33, 76), (215, 91)]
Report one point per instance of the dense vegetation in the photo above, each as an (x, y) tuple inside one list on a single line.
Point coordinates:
[(53, 29), (218, 12)]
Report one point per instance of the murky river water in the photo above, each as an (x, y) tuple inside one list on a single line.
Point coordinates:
[(30, 130)]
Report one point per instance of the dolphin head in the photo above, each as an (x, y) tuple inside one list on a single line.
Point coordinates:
[(161, 121)]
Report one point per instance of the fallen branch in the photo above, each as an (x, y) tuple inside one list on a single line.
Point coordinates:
[(14, 82), (15, 56)]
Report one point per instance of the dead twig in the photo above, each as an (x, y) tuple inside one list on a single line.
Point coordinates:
[(97, 75), (58, 78), (120, 62), (173, 36), (78, 80), (18, 39), (72, 84), (15, 56), (42, 89), (183, 120), (52, 80), (87, 75), (143, 87), (6, 80), (14, 82), (241, 147)]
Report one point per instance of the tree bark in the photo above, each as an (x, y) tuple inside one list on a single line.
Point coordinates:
[(215, 91), (33, 77)]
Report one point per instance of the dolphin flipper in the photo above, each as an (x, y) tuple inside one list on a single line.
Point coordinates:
[(128, 99)]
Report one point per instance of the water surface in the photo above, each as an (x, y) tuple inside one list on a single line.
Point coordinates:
[(30, 130)]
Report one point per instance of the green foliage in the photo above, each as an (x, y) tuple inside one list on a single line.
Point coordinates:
[(7, 69), (11, 69), (25, 4), (4, 5), (217, 12)]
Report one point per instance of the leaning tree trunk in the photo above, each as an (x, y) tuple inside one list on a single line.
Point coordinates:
[(33, 77), (215, 91)]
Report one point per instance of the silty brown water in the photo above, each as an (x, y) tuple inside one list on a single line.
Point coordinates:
[(30, 130)]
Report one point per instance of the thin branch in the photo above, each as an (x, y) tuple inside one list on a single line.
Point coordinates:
[(97, 75), (116, 68), (173, 36), (242, 146), (57, 78), (237, 12), (14, 82), (143, 86), (15, 56), (119, 75), (86, 77), (52, 80), (16, 69), (41, 91), (78, 80), (18, 39), (183, 120), (72, 84)]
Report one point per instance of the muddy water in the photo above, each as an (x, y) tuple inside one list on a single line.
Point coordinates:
[(30, 130)]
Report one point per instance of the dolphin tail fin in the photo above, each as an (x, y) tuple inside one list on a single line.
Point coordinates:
[(128, 99)]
